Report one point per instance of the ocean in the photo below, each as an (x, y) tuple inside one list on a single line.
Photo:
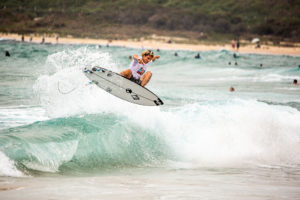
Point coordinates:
[(64, 138)]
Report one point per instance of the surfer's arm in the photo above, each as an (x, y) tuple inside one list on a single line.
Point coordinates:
[(136, 58), (155, 57)]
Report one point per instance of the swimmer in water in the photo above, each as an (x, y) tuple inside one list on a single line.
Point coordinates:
[(7, 53), (197, 56)]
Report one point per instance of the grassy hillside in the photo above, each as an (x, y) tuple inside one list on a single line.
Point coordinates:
[(198, 19)]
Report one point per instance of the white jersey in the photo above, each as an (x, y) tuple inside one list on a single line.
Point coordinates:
[(138, 69)]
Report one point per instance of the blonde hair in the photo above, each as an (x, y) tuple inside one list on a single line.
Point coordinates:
[(147, 52)]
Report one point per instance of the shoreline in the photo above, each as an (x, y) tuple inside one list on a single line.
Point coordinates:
[(154, 44)]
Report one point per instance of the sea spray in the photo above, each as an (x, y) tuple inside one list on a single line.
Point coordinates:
[(7, 167)]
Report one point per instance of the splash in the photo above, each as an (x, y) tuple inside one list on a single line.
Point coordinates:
[(7, 167), (65, 91)]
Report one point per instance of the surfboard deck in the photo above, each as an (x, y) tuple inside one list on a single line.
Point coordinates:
[(121, 87)]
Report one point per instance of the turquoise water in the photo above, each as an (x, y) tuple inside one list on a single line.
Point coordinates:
[(60, 132)]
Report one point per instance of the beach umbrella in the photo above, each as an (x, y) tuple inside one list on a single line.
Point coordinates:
[(255, 40)]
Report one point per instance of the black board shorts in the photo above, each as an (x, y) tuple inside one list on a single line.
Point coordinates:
[(137, 81)]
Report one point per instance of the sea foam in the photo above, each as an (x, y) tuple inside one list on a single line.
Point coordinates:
[(8, 168)]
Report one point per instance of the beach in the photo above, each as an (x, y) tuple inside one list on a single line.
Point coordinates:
[(158, 44)]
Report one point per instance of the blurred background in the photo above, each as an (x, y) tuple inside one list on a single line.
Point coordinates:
[(197, 20)]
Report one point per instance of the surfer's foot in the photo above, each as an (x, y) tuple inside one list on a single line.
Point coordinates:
[(146, 78)]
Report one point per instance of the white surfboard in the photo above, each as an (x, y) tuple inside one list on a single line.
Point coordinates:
[(122, 87)]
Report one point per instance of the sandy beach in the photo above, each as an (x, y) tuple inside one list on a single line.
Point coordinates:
[(155, 44)]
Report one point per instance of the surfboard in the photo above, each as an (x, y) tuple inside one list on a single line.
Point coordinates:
[(121, 87)]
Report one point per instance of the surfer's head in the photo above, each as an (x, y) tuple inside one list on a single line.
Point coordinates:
[(147, 56)]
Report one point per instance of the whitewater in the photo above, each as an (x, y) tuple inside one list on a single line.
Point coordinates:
[(62, 137)]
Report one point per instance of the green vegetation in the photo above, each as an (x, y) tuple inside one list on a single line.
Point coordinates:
[(196, 19)]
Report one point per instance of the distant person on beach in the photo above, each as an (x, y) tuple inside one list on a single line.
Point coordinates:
[(197, 56), (22, 38), (233, 44), (257, 45), (295, 82), (7, 54), (138, 67), (237, 45), (30, 39), (43, 40), (57, 37)]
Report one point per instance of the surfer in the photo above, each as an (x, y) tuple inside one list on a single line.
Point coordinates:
[(138, 67)]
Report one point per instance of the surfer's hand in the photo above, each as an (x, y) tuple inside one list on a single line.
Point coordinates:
[(155, 57), (141, 61)]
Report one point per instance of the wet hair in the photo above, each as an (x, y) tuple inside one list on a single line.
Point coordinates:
[(147, 53)]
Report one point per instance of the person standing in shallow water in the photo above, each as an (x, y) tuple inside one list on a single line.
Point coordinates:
[(43, 40), (137, 71)]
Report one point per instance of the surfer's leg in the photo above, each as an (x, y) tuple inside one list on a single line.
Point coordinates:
[(146, 78), (126, 73)]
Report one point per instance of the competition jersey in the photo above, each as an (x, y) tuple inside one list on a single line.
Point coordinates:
[(138, 69)]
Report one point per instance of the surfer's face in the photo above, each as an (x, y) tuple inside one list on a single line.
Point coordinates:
[(146, 59)]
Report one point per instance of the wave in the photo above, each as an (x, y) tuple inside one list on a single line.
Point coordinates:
[(88, 129), (218, 133), (81, 143)]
